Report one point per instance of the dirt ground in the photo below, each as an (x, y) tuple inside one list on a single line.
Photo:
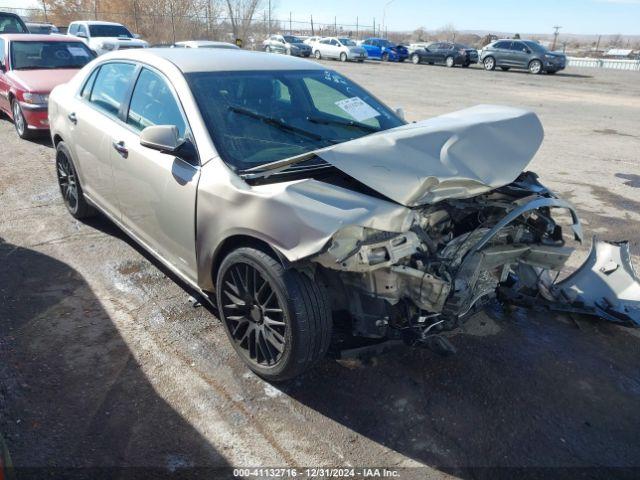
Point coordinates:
[(105, 363)]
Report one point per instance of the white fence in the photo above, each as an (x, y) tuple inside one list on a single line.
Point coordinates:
[(604, 63)]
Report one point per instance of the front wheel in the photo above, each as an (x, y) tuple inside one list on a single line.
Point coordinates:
[(69, 184), (450, 62), (535, 67), (318, 55), (278, 320), (19, 121), (343, 57), (415, 59), (489, 63), (385, 57)]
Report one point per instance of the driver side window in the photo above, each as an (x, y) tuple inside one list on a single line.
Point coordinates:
[(153, 103)]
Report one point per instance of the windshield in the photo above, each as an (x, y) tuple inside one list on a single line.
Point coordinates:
[(347, 42), (10, 24), (536, 46), (49, 55), (109, 31), (292, 39), (260, 117)]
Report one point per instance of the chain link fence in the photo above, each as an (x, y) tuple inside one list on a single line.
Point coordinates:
[(164, 28)]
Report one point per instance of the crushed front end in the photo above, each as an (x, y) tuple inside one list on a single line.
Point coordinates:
[(512, 241)]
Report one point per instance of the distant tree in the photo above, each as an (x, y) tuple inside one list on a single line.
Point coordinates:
[(516, 36), (419, 35), (448, 32)]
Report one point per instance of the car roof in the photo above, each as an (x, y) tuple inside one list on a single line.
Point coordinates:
[(205, 42), (215, 60), (34, 37), (98, 22)]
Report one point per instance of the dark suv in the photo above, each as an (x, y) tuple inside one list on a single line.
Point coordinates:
[(11, 23), (444, 52), (525, 54)]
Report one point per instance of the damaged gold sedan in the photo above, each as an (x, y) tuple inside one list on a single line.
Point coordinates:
[(304, 207)]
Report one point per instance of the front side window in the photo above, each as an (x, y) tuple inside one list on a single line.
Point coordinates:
[(260, 117), (536, 47), (83, 29), (111, 86), (153, 103), (347, 42), (292, 39), (49, 55), (10, 24), (109, 31)]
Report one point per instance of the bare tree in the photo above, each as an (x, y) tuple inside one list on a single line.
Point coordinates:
[(448, 32), (241, 14)]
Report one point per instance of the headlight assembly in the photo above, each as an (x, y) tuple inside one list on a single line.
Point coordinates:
[(35, 98)]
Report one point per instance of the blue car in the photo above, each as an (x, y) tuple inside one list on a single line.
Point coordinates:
[(383, 49)]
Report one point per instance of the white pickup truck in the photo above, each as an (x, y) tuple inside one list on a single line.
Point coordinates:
[(103, 37)]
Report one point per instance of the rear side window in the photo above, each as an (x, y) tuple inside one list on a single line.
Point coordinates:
[(502, 45), (11, 24), (153, 103), (73, 29), (111, 86)]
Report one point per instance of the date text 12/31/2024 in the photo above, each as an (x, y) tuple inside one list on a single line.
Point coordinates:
[(373, 472)]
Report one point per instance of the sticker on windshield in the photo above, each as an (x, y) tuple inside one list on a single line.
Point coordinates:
[(78, 51), (357, 108)]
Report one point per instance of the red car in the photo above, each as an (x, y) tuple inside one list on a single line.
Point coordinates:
[(30, 67)]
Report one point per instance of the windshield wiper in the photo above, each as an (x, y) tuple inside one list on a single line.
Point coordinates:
[(344, 123), (276, 123), (272, 168)]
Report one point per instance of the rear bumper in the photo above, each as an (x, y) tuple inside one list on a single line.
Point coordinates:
[(36, 116)]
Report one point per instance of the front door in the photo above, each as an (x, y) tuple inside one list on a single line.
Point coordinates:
[(156, 191)]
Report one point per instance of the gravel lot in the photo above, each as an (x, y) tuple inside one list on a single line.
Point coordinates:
[(104, 362)]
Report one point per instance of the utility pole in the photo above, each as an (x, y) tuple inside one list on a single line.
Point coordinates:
[(357, 28), (374, 26), (135, 16), (269, 26), (384, 15), (555, 36), (312, 31), (44, 7), (95, 9), (598, 43), (335, 26), (290, 31)]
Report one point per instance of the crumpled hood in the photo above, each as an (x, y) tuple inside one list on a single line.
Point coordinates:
[(458, 155)]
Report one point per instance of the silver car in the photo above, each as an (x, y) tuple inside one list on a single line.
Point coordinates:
[(310, 213), (342, 49), (287, 44)]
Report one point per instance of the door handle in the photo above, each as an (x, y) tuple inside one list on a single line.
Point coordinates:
[(121, 149), (72, 118)]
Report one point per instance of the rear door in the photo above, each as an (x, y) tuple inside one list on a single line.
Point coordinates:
[(519, 54), (95, 115), (156, 191), (502, 54)]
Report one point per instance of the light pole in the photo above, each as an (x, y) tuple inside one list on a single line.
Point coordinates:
[(384, 14)]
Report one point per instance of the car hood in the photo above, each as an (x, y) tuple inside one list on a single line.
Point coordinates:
[(119, 41), (41, 81), (458, 155)]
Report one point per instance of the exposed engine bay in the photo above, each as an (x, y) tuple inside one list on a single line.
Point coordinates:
[(459, 254)]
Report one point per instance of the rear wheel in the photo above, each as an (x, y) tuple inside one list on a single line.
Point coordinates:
[(343, 57), (19, 121), (318, 55), (505, 69), (278, 320), (415, 59), (535, 67), (449, 62), (69, 184), (489, 63), (552, 72)]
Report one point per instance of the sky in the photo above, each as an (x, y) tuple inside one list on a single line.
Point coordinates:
[(509, 16), (527, 16)]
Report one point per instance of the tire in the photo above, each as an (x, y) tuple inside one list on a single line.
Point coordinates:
[(552, 72), (535, 67), (360, 60), (505, 69), (449, 62), (318, 55), (19, 121), (69, 184), (466, 65), (415, 59), (343, 57), (297, 332), (401, 60), (385, 57), (489, 63), (430, 63)]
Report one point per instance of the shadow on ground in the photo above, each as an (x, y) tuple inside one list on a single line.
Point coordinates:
[(72, 395), (538, 395)]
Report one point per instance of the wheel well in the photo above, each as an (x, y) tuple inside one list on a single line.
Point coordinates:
[(239, 241), (56, 140)]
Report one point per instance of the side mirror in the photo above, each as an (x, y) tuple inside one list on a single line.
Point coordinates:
[(526, 50), (399, 111), (163, 138)]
